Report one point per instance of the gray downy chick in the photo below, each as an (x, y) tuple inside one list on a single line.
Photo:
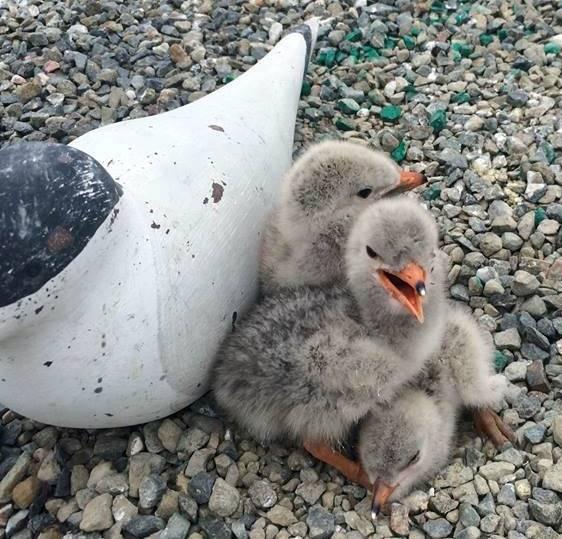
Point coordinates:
[(322, 195), (411, 439), (308, 363)]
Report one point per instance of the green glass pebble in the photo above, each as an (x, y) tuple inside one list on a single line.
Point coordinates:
[(390, 42), (411, 91), (415, 31), (461, 17), (409, 42), (540, 216), (327, 57), (548, 152), (486, 39), (552, 48), (305, 88), (354, 35), (438, 120), (431, 193), (461, 97), (502, 34), (229, 78), (390, 113), (500, 361), (370, 53), (348, 106), (399, 153), (340, 57), (437, 6), (344, 124), (464, 49)]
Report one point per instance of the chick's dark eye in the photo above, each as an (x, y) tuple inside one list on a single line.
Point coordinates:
[(364, 193), (371, 253), (414, 459)]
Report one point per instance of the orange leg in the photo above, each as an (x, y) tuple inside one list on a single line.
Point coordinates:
[(349, 468), (490, 425)]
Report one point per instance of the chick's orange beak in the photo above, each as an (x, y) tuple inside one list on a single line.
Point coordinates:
[(381, 493), (406, 286), (409, 180)]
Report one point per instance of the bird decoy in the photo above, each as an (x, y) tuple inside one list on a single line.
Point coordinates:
[(126, 256)]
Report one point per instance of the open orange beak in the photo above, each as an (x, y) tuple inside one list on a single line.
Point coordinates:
[(381, 492), (409, 180), (406, 286)]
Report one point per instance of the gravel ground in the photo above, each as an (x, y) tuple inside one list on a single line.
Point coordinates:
[(468, 93)]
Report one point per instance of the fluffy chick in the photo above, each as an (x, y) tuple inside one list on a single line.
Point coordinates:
[(323, 193), (310, 362)]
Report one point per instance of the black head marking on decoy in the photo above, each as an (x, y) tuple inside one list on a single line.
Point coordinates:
[(53, 199)]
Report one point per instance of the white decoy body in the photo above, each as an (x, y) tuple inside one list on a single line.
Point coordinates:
[(123, 331)]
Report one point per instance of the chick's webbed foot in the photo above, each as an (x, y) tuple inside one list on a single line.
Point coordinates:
[(348, 468), (490, 425)]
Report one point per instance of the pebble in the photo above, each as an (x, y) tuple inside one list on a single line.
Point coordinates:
[(262, 494), (438, 528), (494, 471), (320, 522), (281, 516), (144, 525), (97, 514), (224, 498)]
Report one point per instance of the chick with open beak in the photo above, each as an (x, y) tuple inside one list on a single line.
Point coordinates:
[(322, 195), (406, 286)]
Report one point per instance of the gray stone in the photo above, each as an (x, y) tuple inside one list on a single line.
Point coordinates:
[(281, 516), (524, 283), (321, 523), (311, 492), (200, 487), (508, 339), (123, 510), (469, 533), (151, 490), (546, 513), (490, 244), (494, 471), (468, 515), (224, 498), (528, 406), (141, 465), (399, 523), (97, 514), (516, 371), (553, 478), (192, 440), (538, 381), (144, 525), (535, 433), (169, 434), (506, 495), (176, 528), (442, 503), (490, 523), (262, 494), (438, 528), (14, 476)]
